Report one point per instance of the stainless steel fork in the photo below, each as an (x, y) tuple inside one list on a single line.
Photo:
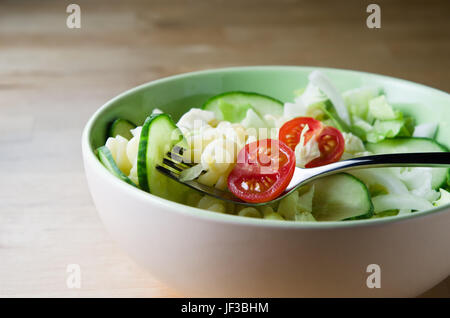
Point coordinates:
[(173, 165)]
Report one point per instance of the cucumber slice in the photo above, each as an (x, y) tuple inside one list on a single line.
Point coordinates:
[(407, 145), (159, 135), (121, 127), (341, 197), (107, 160), (233, 112), (233, 106)]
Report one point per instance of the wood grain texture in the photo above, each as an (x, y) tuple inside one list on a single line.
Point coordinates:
[(53, 78)]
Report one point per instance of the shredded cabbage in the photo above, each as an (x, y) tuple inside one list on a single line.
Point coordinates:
[(357, 100), (418, 181), (253, 120), (297, 109), (191, 173), (308, 152), (324, 84), (354, 147), (311, 95), (387, 202), (427, 130), (369, 117), (377, 120)]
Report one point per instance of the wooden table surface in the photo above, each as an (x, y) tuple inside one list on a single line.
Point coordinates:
[(53, 78)]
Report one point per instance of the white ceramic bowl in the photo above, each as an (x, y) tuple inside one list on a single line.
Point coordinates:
[(202, 253)]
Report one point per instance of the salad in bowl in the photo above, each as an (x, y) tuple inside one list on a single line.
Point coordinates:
[(250, 143), (319, 241)]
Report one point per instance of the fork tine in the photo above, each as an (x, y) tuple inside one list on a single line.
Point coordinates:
[(174, 156), (179, 164), (178, 150), (172, 164), (170, 173), (178, 159), (223, 195)]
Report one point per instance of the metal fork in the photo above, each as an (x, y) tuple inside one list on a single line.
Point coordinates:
[(173, 164)]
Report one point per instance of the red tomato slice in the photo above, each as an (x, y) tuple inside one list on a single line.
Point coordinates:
[(331, 146), (263, 170), (291, 131)]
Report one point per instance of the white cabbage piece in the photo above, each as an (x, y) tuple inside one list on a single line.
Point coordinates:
[(418, 181), (386, 202), (354, 147), (362, 124), (191, 173), (324, 84), (310, 96), (253, 120), (258, 127), (427, 130), (293, 110), (308, 152)]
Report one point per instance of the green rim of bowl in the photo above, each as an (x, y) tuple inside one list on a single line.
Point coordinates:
[(90, 155)]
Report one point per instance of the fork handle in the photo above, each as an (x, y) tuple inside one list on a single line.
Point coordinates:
[(422, 159)]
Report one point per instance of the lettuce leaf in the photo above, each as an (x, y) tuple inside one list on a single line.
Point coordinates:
[(383, 129), (381, 122), (381, 110), (357, 100)]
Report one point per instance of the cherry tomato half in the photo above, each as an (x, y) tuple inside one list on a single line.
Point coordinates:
[(291, 131), (331, 146), (263, 170)]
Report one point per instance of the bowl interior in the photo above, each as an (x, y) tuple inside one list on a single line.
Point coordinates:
[(175, 95)]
